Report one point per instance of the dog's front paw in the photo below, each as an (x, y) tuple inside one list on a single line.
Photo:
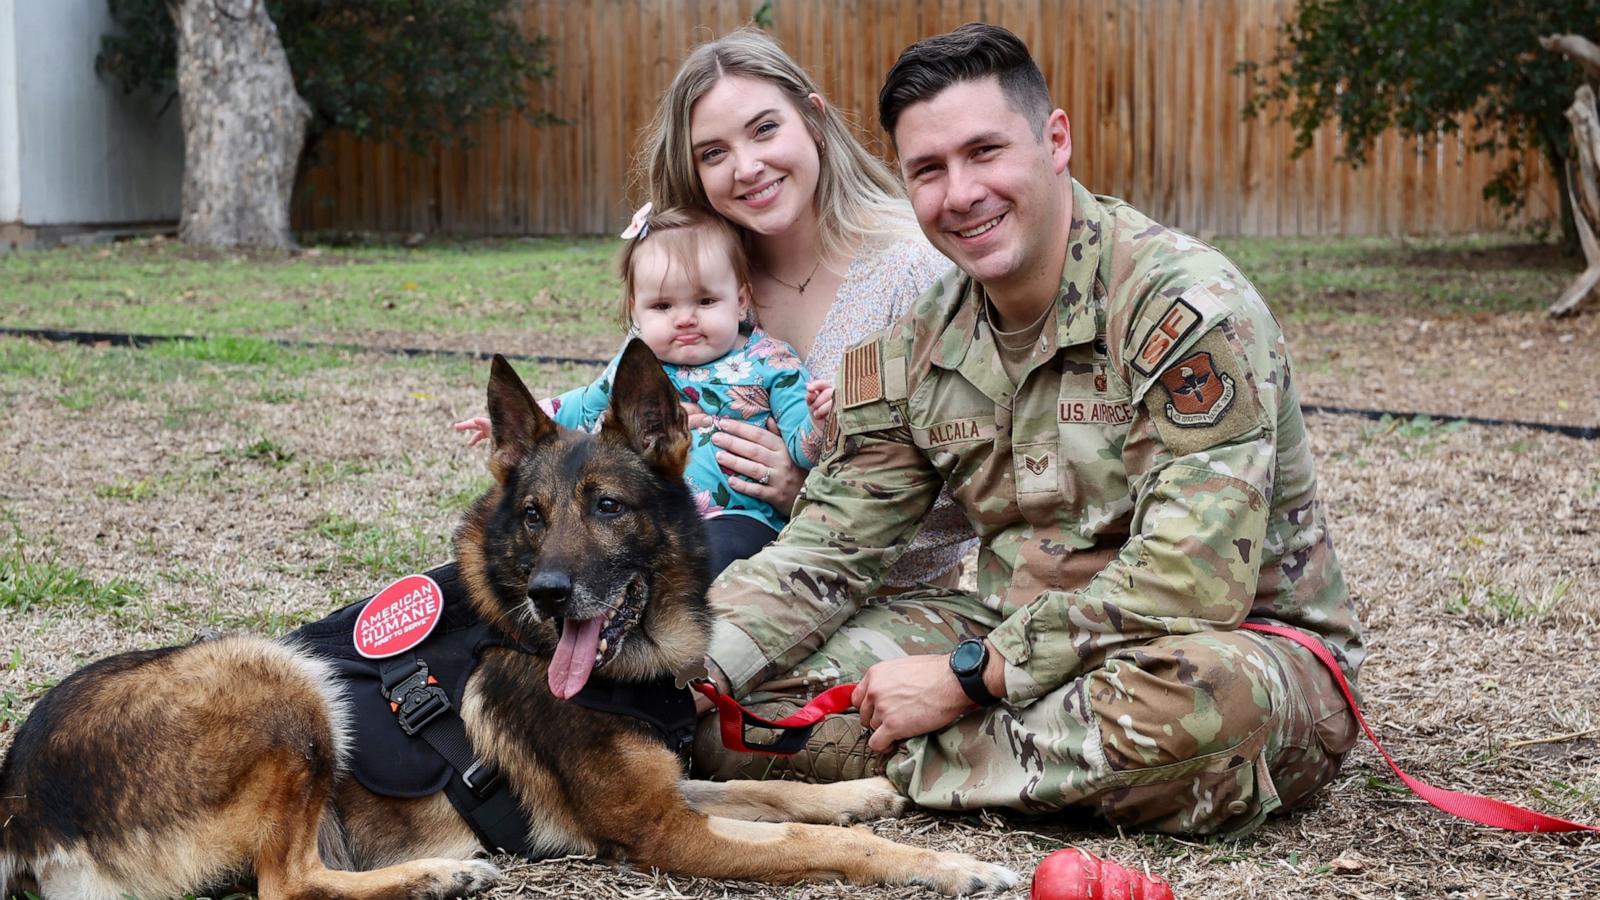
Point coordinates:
[(465, 877), (866, 798), (959, 874)]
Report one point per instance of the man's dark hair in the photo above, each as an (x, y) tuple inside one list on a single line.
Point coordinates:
[(973, 51)]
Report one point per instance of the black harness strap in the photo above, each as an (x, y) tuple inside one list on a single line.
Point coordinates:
[(661, 704), (420, 693), (479, 794)]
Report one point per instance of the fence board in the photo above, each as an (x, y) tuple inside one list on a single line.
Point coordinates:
[(1148, 86)]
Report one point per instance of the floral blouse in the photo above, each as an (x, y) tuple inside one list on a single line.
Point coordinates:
[(760, 380), (881, 283)]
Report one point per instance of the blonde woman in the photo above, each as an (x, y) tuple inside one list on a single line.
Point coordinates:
[(835, 250), (836, 255)]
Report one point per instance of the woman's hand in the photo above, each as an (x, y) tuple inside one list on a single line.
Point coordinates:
[(756, 460)]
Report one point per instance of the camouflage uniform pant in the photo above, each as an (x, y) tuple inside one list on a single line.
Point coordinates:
[(1193, 734)]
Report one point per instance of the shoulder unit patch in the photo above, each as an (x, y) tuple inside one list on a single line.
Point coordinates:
[(1204, 398), (1199, 395)]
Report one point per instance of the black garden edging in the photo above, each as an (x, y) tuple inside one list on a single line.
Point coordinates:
[(121, 339)]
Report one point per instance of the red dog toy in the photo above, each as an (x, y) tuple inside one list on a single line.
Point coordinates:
[(1074, 874)]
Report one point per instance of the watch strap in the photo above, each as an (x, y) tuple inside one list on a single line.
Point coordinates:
[(972, 682)]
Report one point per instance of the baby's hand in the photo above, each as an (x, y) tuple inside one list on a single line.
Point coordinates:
[(480, 427), (819, 400)]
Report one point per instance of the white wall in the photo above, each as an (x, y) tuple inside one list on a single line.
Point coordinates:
[(87, 154), (10, 171)]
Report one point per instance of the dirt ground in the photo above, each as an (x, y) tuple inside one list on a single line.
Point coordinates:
[(1471, 552)]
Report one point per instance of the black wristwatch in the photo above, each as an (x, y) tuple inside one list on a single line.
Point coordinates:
[(967, 662)]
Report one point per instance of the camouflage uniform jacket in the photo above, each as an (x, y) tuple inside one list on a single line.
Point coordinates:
[(1150, 476)]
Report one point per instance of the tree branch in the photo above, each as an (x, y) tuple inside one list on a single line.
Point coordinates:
[(1576, 48)]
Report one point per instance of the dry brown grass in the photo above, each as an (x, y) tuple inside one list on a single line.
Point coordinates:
[(1471, 552)]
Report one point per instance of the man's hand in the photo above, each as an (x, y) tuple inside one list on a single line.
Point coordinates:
[(902, 698)]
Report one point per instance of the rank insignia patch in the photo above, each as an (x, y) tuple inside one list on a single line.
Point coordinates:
[(1036, 471), (1199, 395), (830, 434)]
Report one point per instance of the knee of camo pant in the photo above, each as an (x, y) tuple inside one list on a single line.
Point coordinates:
[(1182, 697), (1318, 727), (1185, 725)]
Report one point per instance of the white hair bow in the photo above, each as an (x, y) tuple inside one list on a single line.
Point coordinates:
[(640, 226)]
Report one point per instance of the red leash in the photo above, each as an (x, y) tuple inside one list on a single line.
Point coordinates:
[(796, 729), (734, 720), (1483, 810)]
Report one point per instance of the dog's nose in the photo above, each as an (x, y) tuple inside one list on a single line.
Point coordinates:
[(550, 586)]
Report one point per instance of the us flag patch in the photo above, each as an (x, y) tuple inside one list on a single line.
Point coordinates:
[(860, 376)]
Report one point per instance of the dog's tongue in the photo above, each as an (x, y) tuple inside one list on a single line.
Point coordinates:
[(574, 658)]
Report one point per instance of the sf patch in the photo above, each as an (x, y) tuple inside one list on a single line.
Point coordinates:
[(1204, 397), (1165, 336)]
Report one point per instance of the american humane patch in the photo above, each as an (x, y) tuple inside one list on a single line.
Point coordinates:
[(1205, 398)]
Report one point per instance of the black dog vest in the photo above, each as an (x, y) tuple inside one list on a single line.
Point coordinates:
[(407, 739)]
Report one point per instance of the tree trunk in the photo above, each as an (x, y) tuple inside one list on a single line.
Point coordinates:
[(243, 125), (1583, 170)]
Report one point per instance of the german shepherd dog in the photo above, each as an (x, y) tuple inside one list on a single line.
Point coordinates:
[(223, 761)]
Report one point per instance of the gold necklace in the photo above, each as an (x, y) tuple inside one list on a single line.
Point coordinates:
[(797, 288)]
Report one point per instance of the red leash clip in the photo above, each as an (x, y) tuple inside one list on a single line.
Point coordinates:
[(735, 721)]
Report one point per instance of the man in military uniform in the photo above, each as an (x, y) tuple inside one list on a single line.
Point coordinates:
[(1111, 403)]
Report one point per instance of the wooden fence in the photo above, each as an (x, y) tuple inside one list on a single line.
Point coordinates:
[(1148, 85)]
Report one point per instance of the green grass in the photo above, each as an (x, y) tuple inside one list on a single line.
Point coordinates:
[(366, 553), (32, 578), (565, 286), (264, 450), (83, 378), (1497, 603), (1363, 279)]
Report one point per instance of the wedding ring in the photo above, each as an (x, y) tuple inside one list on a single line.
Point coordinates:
[(766, 476)]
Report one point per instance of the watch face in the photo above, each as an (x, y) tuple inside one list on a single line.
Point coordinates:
[(968, 656)]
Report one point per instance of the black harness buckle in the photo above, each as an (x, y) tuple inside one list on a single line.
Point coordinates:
[(417, 699), (481, 778)]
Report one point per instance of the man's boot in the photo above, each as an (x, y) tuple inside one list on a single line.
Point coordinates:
[(836, 751)]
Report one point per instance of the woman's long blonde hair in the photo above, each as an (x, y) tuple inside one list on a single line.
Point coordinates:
[(857, 197)]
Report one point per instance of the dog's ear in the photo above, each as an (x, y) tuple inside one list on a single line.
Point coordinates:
[(518, 422), (646, 413)]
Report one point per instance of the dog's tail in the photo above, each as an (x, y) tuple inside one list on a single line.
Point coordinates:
[(7, 866), (8, 863)]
